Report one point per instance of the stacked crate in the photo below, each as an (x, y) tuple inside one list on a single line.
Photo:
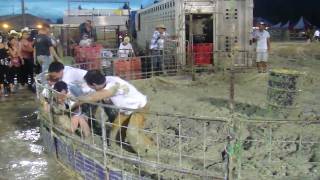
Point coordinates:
[(202, 53), (128, 69), (88, 57)]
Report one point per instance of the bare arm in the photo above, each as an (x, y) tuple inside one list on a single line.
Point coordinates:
[(54, 54), (269, 44), (100, 95), (97, 96), (34, 56)]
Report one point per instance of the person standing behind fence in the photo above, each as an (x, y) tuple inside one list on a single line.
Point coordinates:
[(316, 35), (26, 50), (262, 38), (44, 51), (16, 63), (125, 49), (156, 47), (3, 66), (87, 28)]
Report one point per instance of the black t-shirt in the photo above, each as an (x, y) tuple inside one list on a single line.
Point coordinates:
[(42, 45)]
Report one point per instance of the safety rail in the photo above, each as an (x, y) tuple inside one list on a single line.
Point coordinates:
[(229, 147)]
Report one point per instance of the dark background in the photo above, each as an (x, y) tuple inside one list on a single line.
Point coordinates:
[(284, 10)]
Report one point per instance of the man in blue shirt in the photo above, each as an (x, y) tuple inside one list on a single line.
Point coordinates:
[(156, 47)]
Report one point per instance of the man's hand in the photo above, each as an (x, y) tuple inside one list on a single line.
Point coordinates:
[(124, 88), (114, 88)]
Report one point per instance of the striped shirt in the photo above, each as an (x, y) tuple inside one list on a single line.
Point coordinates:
[(157, 40)]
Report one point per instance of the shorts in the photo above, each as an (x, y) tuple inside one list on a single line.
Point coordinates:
[(262, 57), (63, 121)]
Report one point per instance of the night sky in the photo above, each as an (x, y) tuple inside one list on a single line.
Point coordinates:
[(284, 10), (273, 10)]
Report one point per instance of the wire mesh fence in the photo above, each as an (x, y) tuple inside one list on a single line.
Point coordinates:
[(251, 142)]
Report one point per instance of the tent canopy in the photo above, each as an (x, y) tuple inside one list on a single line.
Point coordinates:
[(277, 26), (302, 24), (257, 20), (286, 26)]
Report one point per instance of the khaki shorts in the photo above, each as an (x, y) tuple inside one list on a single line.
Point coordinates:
[(262, 57), (63, 121)]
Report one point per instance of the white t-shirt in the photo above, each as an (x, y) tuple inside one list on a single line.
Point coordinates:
[(74, 79), (125, 50), (262, 40), (317, 33), (127, 96)]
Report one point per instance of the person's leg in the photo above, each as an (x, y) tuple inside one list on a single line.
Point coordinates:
[(21, 75), (153, 61), (84, 126), (29, 71), (258, 60), (47, 60), (264, 62)]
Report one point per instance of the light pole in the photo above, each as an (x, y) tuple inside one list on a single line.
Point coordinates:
[(23, 13)]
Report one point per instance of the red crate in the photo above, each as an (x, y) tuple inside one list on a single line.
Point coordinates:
[(128, 68), (89, 55), (203, 47), (135, 64), (202, 60)]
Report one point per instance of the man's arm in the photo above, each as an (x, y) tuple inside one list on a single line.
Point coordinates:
[(54, 54), (100, 95), (269, 44), (34, 56)]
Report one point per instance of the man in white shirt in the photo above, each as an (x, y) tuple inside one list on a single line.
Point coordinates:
[(316, 35), (262, 38), (70, 75), (131, 102)]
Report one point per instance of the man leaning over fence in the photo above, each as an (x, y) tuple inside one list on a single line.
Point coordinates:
[(131, 102)]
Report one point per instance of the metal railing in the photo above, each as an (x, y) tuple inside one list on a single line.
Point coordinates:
[(234, 146)]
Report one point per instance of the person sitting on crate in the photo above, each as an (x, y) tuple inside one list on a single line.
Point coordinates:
[(156, 47), (125, 49), (66, 117), (132, 106), (85, 41)]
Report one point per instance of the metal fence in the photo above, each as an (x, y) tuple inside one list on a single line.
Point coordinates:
[(229, 147)]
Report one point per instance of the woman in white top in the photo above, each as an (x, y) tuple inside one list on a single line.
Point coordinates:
[(125, 49)]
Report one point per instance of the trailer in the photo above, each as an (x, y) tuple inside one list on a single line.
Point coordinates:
[(225, 24)]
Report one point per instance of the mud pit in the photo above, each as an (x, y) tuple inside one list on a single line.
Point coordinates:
[(269, 150)]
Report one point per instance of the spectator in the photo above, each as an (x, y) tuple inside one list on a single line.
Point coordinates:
[(3, 66), (156, 47), (44, 51), (125, 49), (262, 38), (88, 28), (316, 35), (16, 62), (26, 50), (85, 41)]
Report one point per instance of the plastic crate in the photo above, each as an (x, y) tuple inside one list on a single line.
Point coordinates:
[(128, 68), (202, 60), (89, 55), (203, 47)]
